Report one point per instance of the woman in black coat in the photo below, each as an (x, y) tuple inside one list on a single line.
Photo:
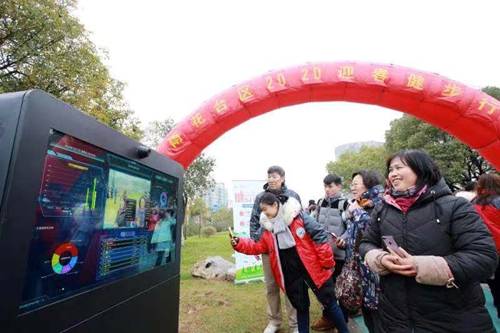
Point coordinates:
[(431, 282)]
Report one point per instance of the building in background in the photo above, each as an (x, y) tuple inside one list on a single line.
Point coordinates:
[(354, 147), (216, 198)]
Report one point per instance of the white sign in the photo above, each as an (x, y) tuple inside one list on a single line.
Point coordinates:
[(248, 268)]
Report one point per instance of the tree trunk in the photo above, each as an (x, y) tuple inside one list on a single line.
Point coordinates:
[(199, 223), (183, 234), (187, 213)]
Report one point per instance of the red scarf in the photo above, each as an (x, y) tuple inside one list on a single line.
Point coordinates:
[(405, 202)]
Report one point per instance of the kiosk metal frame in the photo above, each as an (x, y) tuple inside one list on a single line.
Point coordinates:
[(147, 302)]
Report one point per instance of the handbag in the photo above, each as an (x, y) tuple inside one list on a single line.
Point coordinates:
[(348, 288)]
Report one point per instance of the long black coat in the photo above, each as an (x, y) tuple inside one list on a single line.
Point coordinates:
[(436, 224)]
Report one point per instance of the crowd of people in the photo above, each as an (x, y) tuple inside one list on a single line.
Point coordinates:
[(405, 252)]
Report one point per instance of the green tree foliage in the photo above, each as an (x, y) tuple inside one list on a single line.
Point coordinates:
[(370, 158), (492, 91), (198, 179), (459, 163), (199, 208), (208, 231), (156, 131), (199, 214), (42, 45), (222, 219)]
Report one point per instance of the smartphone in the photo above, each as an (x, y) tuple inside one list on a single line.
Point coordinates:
[(231, 233), (334, 237), (390, 243)]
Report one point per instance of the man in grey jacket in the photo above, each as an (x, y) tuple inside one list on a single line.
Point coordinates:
[(331, 214), (276, 185)]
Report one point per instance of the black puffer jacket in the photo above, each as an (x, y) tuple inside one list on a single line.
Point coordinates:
[(255, 227), (436, 224)]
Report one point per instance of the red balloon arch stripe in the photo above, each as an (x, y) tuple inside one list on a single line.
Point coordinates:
[(468, 114)]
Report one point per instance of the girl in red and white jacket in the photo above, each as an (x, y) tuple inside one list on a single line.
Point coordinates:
[(300, 254)]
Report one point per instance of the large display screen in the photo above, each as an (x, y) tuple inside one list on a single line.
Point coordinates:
[(100, 217)]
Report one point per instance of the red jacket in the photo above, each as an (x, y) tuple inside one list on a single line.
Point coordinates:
[(311, 241), (491, 217)]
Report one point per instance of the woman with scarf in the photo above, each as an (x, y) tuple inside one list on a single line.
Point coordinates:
[(300, 255), (367, 193), (430, 279)]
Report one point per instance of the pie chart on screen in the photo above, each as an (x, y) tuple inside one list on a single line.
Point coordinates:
[(163, 199), (64, 258)]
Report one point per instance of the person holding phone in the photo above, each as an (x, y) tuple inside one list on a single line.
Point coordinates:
[(300, 256), (432, 283), (330, 213)]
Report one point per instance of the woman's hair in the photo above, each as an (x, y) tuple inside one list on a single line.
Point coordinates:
[(488, 187), (269, 198), (420, 163), (370, 178)]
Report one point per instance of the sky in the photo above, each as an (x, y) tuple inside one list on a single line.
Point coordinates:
[(173, 55)]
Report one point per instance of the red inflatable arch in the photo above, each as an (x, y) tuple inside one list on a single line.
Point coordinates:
[(470, 115)]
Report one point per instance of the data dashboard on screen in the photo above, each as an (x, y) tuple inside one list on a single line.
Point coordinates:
[(100, 218)]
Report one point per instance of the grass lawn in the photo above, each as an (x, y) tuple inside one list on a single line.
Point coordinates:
[(213, 306)]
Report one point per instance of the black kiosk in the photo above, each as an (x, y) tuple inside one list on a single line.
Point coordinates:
[(89, 224)]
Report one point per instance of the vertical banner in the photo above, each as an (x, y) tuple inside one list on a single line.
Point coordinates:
[(248, 268)]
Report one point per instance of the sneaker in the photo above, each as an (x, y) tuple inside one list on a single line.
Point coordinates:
[(272, 328), (322, 325)]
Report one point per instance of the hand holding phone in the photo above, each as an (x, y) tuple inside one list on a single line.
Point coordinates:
[(391, 245), (399, 261), (341, 244), (333, 238), (234, 239)]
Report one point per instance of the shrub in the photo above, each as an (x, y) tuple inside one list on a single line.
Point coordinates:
[(208, 231)]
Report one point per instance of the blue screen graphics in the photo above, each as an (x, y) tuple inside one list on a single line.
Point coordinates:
[(100, 218)]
